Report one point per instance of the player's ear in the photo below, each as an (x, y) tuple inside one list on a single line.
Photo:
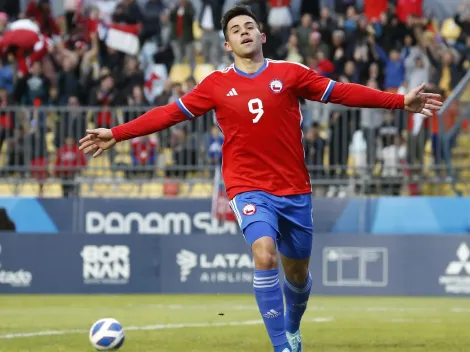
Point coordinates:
[(228, 47), (263, 38)]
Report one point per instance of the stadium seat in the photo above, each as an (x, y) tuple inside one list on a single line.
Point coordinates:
[(124, 158), (126, 190), (180, 72), (3, 157), (96, 190), (166, 157), (50, 142), (351, 169), (86, 190), (7, 190), (428, 147), (28, 190), (99, 167), (200, 190), (151, 190), (90, 125), (202, 70), (52, 190), (184, 189), (197, 31), (123, 147), (103, 188)]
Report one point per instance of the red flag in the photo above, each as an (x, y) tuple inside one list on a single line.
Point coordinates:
[(220, 202), (23, 34)]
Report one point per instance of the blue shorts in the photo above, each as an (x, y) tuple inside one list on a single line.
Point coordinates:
[(289, 216)]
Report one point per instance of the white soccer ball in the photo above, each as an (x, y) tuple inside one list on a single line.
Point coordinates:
[(107, 335)]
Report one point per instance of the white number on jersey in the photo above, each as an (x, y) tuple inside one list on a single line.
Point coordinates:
[(256, 107)]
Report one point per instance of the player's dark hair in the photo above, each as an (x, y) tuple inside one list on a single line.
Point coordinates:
[(237, 10)]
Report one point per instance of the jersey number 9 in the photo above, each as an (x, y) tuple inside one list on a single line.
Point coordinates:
[(256, 107)]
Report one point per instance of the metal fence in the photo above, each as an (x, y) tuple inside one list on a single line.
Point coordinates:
[(452, 133), (347, 151)]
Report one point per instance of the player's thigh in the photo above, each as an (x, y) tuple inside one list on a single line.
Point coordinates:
[(296, 227), (253, 207)]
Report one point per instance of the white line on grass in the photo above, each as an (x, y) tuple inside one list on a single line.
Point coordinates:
[(152, 327), (338, 308), (399, 320)]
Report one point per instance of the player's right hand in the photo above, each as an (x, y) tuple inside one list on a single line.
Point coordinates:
[(97, 141)]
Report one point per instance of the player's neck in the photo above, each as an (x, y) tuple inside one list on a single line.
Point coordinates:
[(249, 65)]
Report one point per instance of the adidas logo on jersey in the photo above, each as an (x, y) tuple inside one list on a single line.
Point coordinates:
[(271, 314), (232, 93)]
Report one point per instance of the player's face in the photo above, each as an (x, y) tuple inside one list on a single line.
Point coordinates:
[(244, 38)]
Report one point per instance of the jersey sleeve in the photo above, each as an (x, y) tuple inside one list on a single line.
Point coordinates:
[(312, 86), (199, 100)]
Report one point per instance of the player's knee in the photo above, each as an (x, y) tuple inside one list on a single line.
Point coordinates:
[(264, 253), (265, 260), (296, 271), (297, 277)]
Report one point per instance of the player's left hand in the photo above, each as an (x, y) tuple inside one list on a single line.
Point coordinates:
[(423, 103)]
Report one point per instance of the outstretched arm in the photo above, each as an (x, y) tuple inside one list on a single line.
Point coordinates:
[(314, 87), (354, 95), (100, 139), (192, 105), (155, 120)]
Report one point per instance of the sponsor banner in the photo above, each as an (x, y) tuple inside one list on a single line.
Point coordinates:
[(223, 264), (162, 217), (14, 277), (340, 264), (78, 264)]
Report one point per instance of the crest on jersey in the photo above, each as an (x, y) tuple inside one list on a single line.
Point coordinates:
[(276, 85), (249, 209)]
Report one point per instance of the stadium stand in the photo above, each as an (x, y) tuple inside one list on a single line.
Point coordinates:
[(80, 69)]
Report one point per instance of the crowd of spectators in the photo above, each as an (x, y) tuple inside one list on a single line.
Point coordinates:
[(388, 45)]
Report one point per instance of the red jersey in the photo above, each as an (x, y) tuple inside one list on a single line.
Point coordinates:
[(260, 118), (259, 115), (374, 8), (279, 3), (409, 7), (69, 161)]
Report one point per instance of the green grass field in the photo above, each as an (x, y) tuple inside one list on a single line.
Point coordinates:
[(193, 323)]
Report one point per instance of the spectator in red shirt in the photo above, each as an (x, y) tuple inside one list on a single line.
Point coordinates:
[(406, 8), (325, 66), (68, 164), (144, 155), (373, 9), (41, 12)]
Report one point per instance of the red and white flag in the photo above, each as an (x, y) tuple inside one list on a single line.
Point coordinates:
[(155, 78), (23, 34)]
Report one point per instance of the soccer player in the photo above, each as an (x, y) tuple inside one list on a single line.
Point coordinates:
[(257, 108)]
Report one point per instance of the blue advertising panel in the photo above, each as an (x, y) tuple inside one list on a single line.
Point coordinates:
[(382, 216), (78, 264), (340, 264), (151, 217)]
